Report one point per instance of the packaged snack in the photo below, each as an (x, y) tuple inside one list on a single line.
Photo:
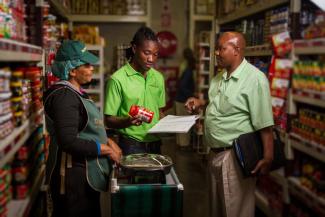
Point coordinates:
[(282, 44)]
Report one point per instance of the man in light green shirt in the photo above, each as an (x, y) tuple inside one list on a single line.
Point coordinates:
[(239, 103), (136, 83)]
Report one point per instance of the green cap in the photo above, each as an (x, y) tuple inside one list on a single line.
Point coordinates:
[(75, 50)]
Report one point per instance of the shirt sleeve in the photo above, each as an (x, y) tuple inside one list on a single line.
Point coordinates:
[(113, 98), (162, 97), (259, 104), (64, 109)]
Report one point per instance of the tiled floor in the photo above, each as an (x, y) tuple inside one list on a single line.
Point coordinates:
[(191, 169)]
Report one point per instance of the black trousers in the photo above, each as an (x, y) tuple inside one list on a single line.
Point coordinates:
[(79, 200)]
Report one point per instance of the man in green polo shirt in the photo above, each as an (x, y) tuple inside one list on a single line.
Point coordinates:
[(239, 103), (136, 83)]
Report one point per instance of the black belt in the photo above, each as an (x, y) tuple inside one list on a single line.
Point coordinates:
[(220, 149)]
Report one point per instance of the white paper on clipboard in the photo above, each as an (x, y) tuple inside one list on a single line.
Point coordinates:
[(174, 124)]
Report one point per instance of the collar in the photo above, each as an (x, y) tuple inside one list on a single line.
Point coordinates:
[(238, 71), (131, 71), (81, 91)]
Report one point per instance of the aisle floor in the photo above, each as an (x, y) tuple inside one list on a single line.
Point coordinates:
[(191, 169)]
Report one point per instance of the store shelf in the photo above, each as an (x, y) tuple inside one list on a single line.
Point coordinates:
[(202, 44), (59, 8), (204, 73), (108, 18), (16, 51), (258, 50), (311, 148), (28, 127), (204, 86), (309, 97), (308, 197), (93, 91), (21, 208), (250, 10), (205, 58), (310, 46), (278, 176), (197, 17), (96, 76), (263, 204)]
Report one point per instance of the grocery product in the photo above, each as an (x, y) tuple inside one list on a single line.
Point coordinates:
[(142, 113)]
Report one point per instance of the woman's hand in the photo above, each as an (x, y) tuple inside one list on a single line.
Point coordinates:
[(114, 146), (112, 150)]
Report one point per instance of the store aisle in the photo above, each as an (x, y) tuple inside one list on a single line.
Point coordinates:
[(191, 170)]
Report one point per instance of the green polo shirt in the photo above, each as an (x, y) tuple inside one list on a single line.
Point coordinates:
[(237, 105), (128, 87)]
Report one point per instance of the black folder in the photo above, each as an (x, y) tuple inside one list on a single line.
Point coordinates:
[(249, 150)]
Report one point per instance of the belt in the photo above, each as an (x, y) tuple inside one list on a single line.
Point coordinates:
[(220, 149)]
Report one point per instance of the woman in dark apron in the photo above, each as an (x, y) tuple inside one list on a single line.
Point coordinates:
[(80, 154)]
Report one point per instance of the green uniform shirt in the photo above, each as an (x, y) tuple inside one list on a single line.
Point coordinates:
[(237, 105), (128, 87)]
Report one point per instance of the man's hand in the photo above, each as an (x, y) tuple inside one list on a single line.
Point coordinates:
[(135, 121), (263, 166), (193, 105)]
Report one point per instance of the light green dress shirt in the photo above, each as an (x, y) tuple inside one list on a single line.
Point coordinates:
[(237, 105), (128, 87)]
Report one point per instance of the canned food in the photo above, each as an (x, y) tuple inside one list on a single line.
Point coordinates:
[(142, 113)]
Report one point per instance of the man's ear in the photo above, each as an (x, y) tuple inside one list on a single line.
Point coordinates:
[(237, 51), (133, 48)]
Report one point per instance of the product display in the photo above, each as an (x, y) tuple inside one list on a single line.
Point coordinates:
[(87, 34), (310, 125), (284, 40), (142, 113), (309, 75)]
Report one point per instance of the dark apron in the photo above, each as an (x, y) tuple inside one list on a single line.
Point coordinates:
[(97, 168)]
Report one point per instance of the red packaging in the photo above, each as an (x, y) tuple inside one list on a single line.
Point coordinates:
[(21, 191), (142, 113)]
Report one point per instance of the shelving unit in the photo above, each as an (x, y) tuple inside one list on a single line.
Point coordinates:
[(109, 18), (101, 18), (16, 51), (17, 138), (195, 21), (310, 198), (250, 10), (309, 47), (99, 89), (309, 97), (258, 50), (21, 208), (263, 204), (308, 147)]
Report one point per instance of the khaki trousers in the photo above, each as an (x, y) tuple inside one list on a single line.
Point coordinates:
[(182, 139), (231, 195)]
